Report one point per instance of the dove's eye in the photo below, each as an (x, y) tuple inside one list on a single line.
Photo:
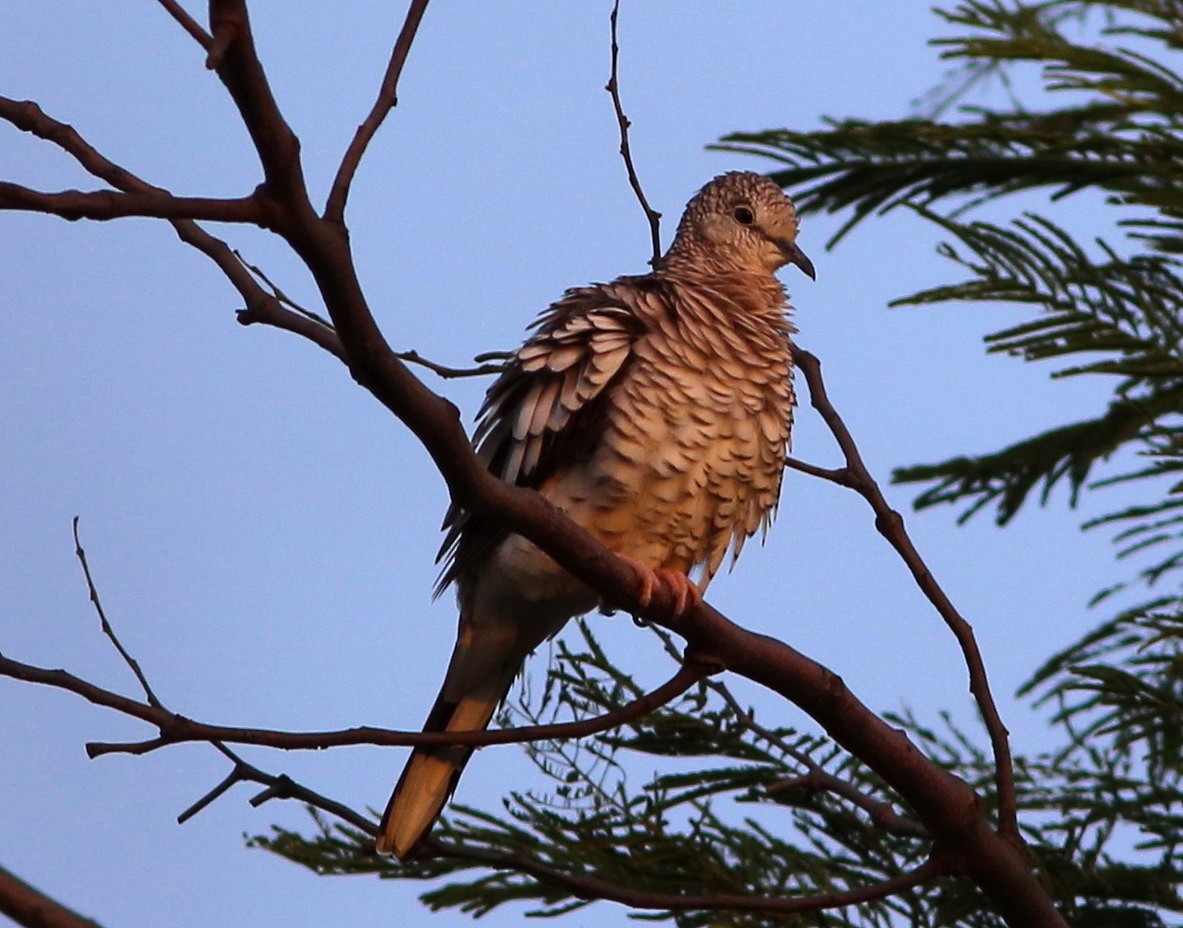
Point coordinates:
[(744, 216)]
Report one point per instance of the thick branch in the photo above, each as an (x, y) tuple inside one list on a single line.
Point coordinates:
[(387, 100), (28, 906), (589, 887), (890, 525), (234, 58)]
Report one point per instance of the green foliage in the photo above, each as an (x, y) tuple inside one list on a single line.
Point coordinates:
[(1118, 133), (744, 808)]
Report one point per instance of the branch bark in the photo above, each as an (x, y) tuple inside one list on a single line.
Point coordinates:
[(27, 905), (178, 729)]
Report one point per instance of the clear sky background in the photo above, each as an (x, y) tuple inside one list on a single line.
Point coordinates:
[(262, 532)]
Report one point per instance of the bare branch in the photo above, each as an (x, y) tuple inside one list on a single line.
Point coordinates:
[(838, 475), (28, 906), (589, 887), (387, 100), (890, 525), (110, 204), (188, 23), (613, 87), (279, 786), (106, 626), (449, 373), (177, 729), (234, 58)]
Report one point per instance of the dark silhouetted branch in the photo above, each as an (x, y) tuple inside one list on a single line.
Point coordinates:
[(590, 887), (652, 216), (188, 23), (387, 100), (890, 525), (109, 204), (177, 729), (30, 907), (93, 592)]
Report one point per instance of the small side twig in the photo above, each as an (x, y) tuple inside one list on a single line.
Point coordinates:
[(448, 373), (890, 524), (387, 100), (188, 23), (106, 626), (278, 786), (652, 216)]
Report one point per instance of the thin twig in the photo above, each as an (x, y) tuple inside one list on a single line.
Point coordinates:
[(890, 525), (176, 729), (448, 373), (613, 87), (280, 295), (590, 887), (188, 23), (387, 100), (106, 626)]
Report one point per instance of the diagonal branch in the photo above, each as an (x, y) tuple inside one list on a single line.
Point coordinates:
[(188, 23), (278, 786), (890, 525), (260, 306), (234, 58), (93, 593), (590, 887), (387, 100), (27, 905)]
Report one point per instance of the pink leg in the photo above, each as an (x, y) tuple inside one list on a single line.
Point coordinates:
[(684, 593)]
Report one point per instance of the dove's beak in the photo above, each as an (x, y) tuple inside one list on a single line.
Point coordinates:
[(794, 255)]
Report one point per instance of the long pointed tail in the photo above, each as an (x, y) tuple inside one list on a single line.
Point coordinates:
[(431, 774)]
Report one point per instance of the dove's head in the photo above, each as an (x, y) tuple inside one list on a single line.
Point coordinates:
[(739, 221)]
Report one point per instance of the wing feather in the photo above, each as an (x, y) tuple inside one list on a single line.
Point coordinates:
[(545, 409)]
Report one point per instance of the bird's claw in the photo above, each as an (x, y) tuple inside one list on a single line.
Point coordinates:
[(677, 585)]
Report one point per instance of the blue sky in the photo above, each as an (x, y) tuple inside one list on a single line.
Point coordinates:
[(262, 532)]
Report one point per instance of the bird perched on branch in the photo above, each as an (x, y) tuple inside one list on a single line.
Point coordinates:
[(654, 411)]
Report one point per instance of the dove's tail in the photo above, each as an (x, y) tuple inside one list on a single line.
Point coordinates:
[(466, 703)]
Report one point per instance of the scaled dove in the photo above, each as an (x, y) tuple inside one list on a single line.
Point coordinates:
[(654, 411)]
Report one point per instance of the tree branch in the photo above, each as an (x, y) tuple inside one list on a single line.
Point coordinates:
[(890, 525), (28, 906), (177, 729), (109, 204), (188, 23), (387, 100), (590, 887), (131, 662), (279, 786)]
